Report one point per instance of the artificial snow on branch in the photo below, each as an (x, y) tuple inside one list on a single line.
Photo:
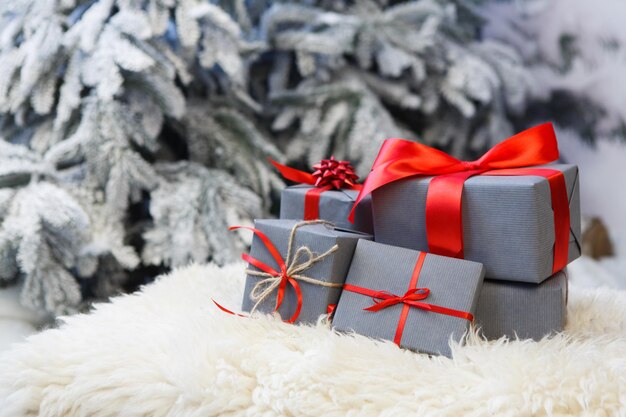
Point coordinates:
[(420, 59), (575, 53), (132, 133)]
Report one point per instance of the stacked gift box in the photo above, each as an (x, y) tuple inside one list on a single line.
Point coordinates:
[(425, 246)]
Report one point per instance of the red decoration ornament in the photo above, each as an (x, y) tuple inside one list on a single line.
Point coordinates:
[(329, 174), (335, 173)]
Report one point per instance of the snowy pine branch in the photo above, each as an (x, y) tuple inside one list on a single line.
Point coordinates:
[(132, 133)]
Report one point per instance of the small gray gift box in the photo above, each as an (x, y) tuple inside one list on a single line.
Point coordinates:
[(317, 256), (519, 309), (393, 271), (508, 222), (334, 206)]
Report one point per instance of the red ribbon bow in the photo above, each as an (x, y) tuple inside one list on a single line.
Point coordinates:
[(328, 174), (410, 299), (282, 273), (399, 159), (384, 299), (338, 174)]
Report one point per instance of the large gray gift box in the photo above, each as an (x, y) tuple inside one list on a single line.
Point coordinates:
[(453, 283), (334, 206), (333, 269), (519, 309), (508, 223)]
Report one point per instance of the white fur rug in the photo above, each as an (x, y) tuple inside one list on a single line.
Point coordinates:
[(167, 351)]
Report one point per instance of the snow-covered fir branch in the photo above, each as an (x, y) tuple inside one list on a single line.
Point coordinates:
[(575, 52), (133, 132)]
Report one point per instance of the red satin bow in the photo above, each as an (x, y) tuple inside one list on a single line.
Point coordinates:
[(410, 299), (399, 159), (285, 278), (384, 299), (329, 174)]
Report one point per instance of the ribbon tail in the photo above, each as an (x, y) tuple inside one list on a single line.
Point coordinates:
[(255, 262), (293, 174), (225, 310), (382, 305), (330, 309), (298, 291), (268, 245), (441, 310), (281, 293)]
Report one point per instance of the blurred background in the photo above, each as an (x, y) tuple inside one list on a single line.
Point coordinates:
[(133, 132)]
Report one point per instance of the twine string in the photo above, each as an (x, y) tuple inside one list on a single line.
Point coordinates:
[(297, 262)]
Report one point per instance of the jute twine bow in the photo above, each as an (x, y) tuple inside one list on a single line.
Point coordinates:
[(290, 269)]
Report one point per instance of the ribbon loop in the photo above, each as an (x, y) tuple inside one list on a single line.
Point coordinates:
[(384, 299)]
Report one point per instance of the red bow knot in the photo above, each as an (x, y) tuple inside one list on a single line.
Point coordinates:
[(384, 299), (399, 159), (284, 276), (470, 165), (338, 174)]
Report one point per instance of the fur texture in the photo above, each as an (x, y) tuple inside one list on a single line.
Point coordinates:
[(167, 351)]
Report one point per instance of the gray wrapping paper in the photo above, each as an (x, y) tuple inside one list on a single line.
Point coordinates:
[(319, 238), (453, 283), (508, 222), (527, 311), (335, 206)]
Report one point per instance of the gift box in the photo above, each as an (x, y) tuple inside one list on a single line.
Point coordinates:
[(415, 299), (523, 310), (508, 221), (328, 193), (332, 205), (297, 268), (512, 209)]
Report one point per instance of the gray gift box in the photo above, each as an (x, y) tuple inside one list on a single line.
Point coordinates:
[(508, 223), (319, 238), (453, 283), (519, 309), (334, 206)]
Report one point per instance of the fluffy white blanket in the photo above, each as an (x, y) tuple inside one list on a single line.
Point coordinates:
[(167, 351)]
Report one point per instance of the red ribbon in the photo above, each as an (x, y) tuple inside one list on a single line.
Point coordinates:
[(399, 159), (285, 278), (410, 299), (312, 196), (225, 310), (330, 309), (384, 299)]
